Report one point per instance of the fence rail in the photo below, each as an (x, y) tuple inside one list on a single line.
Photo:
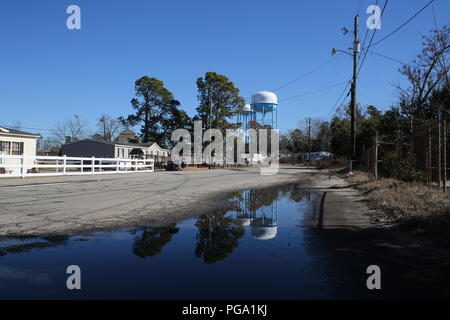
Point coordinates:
[(25, 166)]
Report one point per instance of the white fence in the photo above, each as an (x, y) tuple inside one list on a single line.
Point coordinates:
[(24, 166)]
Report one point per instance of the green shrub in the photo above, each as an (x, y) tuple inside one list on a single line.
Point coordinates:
[(331, 163), (400, 169)]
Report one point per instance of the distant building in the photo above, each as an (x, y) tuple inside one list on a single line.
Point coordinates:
[(127, 136), (115, 149), (16, 143)]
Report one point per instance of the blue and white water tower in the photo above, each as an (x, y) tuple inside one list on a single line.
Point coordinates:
[(245, 116), (265, 106)]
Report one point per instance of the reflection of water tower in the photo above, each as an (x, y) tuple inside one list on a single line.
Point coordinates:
[(264, 225), (263, 220), (265, 105), (245, 215)]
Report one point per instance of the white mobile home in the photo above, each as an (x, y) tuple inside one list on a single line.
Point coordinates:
[(16, 143)]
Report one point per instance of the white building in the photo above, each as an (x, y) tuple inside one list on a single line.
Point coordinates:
[(16, 143)]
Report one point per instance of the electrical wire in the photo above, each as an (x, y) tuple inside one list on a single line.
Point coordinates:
[(304, 75), (389, 58), (402, 25), (371, 39), (339, 99), (312, 92)]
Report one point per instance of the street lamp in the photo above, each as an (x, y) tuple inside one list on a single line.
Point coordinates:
[(335, 51)]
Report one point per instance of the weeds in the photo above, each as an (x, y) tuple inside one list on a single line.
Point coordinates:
[(412, 206)]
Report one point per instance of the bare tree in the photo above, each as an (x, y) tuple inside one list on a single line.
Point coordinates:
[(427, 73), (108, 127), (316, 124), (16, 125), (70, 130), (48, 143)]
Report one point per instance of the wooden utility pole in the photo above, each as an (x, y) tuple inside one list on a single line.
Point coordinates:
[(376, 156), (356, 50)]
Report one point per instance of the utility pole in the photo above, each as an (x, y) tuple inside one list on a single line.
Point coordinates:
[(356, 50)]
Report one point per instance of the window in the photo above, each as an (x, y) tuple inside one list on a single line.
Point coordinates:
[(5, 147), (11, 148), (16, 148)]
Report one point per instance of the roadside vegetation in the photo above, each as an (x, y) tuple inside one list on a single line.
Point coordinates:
[(410, 205)]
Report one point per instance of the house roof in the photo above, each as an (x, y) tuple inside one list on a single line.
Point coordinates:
[(4, 130)]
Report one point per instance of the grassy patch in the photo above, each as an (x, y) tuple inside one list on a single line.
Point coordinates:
[(412, 206)]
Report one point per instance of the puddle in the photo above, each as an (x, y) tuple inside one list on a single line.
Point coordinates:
[(256, 250)]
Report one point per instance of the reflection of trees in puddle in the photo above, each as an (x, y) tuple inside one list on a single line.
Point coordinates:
[(35, 243), (217, 236), (218, 233), (151, 241)]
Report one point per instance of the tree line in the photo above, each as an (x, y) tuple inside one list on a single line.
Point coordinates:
[(420, 104), (156, 111)]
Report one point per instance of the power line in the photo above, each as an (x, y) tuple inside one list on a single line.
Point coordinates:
[(312, 92), (402, 25), (27, 128), (304, 75), (371, 39), (389, 58), (365, 36), (339, 99)]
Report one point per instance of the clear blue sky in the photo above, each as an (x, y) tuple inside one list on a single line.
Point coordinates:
[(49, 73)]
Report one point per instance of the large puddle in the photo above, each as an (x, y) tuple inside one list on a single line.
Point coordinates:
[(257, 250)]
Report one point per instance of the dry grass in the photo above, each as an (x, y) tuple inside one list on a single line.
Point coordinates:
[(412, 206)]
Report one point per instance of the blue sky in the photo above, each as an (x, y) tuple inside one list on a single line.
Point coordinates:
[(49, 73)]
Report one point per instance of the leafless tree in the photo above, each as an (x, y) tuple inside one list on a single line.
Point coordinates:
[(108, 127), (426, 74), (70, 130), (316, 124)]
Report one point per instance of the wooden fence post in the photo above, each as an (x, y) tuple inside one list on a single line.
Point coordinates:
[(429, 160), (439, 176), (376, 156), (22, 159), (64, 164), (444, 146)]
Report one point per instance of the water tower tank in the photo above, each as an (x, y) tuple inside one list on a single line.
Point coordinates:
[(247, 108), (265, 104), (264, 97)]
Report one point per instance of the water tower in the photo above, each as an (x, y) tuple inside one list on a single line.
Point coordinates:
[(245, 116), (265, 106)]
